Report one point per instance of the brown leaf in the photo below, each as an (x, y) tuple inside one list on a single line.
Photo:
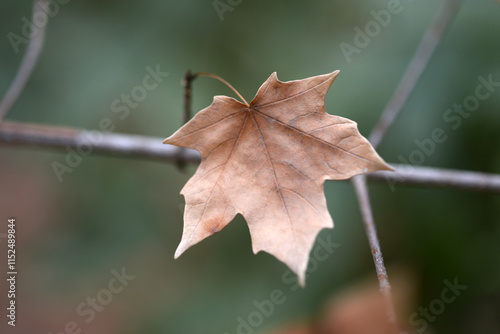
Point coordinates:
[(268, 161)]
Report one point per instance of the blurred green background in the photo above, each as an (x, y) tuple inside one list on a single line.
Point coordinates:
[(113, 213)]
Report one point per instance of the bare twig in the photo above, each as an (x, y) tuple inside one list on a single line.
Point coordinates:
[(29, 61), (440, 178), (371, 232), (408, 82), (187, 84), (124, 145), (188, 79), (417, 66), (36, 135)]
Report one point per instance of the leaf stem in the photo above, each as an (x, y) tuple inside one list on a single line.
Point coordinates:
[(205, 74)]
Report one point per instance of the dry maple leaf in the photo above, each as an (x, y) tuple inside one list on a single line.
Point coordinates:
[(268, 161)]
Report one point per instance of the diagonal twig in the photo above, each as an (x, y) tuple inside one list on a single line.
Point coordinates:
[(29, 60), (408, 82), (371, 232), (417, 66)]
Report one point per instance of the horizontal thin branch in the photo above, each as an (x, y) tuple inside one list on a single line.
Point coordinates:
[(36, 135), (409, 175)]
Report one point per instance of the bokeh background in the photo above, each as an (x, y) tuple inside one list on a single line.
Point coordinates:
[(112, 213)]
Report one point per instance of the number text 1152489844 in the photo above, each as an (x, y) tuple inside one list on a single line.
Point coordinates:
[(11, 271)]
